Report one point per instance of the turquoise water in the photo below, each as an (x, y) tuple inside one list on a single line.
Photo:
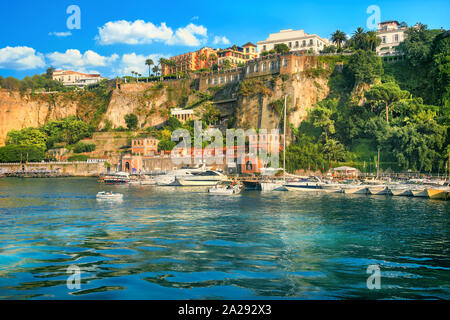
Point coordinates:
[(181, 243)]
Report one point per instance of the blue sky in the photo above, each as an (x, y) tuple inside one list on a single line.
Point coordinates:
[(117, 36)]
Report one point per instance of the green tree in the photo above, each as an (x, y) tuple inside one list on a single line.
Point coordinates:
[(16, 153), (366, 67), (386, 94), (132, 121), (281, 48), (27, 136), (338, 37), (149, 63)]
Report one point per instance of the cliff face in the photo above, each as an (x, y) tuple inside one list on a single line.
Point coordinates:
[(18, 112), (151, 102)]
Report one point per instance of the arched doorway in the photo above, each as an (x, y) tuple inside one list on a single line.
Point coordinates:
[(127, 166), (249, 166)]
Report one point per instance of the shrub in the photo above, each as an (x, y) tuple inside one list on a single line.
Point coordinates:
[(78, 157), (16, 153), (83, 147)]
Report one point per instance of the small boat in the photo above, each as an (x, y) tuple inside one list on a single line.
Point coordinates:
[(400, 190), (378, 190), (309, 184), (332, 188), (420, 193), (116, 178), (108, 195), (225, 190), (273, 186), (354, 189), (437, 193)]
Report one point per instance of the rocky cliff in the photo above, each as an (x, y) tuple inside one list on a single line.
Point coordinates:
[(259, 107)]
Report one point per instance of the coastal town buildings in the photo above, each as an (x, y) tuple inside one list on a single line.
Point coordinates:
[(237, 55), (391, 34), (296, 40), (144, 146), (77, 79), (190, 61)]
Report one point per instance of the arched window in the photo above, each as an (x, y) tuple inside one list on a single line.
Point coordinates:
[(248, 69), (264, 67), (249, 166), (271, 66)]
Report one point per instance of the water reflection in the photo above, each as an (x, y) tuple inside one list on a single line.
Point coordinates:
[(179, 243)]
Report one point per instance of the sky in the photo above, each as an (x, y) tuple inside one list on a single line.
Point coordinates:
[(114, 38)]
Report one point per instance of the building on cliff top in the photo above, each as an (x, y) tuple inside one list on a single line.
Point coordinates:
[(296, 40), (76, 79), (200, 59), (391, 34)]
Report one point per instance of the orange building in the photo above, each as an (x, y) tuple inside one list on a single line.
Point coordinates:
[(200, 59), (144, 146)]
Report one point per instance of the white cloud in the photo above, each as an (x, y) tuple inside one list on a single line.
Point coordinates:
[(20, 58), (220, 40), (191, 35), (73, 59), (141, 32), (60, 34)]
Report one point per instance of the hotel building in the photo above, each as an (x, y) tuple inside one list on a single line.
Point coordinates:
[(237, 55), (296, 40), (78, 79), (189, 61), (391, 35)]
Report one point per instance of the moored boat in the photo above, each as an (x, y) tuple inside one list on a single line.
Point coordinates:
[(400, 190), (378, 190), (355, 189), (204, 178), (273, 186), (107, 195), (437, 193), (420, 192), (225, 190)]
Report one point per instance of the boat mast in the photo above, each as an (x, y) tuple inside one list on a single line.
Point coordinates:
[(284, 140)]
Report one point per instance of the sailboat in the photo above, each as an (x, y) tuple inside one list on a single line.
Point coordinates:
[(273, 184)]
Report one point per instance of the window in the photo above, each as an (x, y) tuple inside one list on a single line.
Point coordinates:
[(396, 38), (311, 42), (221, 80), (264, 48), (248, 69), (296, 44), (384, 39), (246, 50), (215, 81), (285, 62), (290, 44), (304, 43), (256, 67), (264, 67)]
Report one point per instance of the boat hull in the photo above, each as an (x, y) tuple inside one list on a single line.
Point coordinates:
[(378, 190), (196, 183), (355, 190), (420, 193), (401, 192), (273, 186), (437, 194)]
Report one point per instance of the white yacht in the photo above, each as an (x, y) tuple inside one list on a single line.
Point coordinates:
[(169, 179), (309, 184), (202, 178), (107, 195)]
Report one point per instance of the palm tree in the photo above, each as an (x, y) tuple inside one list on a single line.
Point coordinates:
[(358, 38), (155, 70), (338, 37), (373, 41), (149, 63)]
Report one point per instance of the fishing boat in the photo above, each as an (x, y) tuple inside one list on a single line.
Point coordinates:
[(225, 189), (378, 190), (107, 195), (204, 178)]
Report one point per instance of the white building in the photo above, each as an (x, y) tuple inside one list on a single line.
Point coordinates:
[(296, 40), (391, 35), (78, 79), (182, 114)]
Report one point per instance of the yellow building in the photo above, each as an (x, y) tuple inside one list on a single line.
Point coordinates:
[(237, 55), (190, 61)]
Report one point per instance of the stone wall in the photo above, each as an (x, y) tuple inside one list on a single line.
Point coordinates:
[(76, 169)]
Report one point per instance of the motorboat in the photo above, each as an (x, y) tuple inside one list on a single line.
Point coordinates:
[(420, 192), (108, 195), (116, 178), (169, 179), (224, 189), (309, 184), (332, 188), (203, 178), (400, 190), (355, 189), (273, 185), (378, 190), (438, 193)]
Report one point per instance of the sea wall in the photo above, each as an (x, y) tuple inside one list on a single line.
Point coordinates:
[(76, 169)]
